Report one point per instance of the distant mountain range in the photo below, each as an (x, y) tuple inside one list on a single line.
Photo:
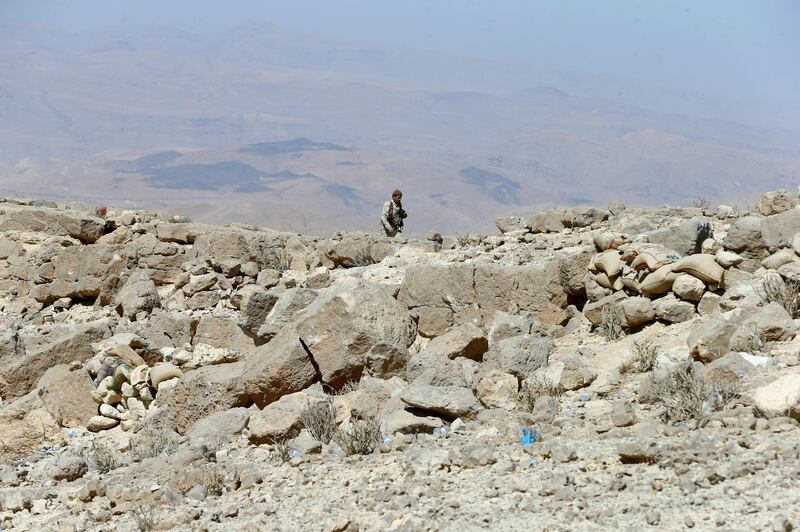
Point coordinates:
[(263, 125)]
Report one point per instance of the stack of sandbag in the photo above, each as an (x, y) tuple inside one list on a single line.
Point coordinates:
[(127, 386)]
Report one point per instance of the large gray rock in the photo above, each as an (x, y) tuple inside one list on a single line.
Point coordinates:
[(78, 272), (744, 237), (509, 223), (781, 397), (355, 326), (570, 373), (278, 368), (519, 355), (67, 395), (85, 227), (778, 231), (358, 249), (405, 422), (138, 294), (710, 338), (37, 351), (672, 310), (636, 311), (279, 420), (465, 340), (473, 293), (688, 287), (686, 237), (547, 221), (218, 427), (254, 307), (182, 233), (776, 202), (198, 394), (767, 324), (285, 310), (449, 402), (594, 310)]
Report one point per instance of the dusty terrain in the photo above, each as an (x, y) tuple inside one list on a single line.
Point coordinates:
[(581, 369)]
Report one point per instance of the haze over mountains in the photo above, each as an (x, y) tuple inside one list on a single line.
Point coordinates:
[(264, 125)]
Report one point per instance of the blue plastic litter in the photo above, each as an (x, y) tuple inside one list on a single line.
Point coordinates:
[(529, 435), (585, 396), (387, 439), (439, 431), (293, 453)]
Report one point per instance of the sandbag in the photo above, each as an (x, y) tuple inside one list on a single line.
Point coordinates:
[(603, 280), (606, 241), (653, 256), (659, 282), (778, 259), (162, 372), (616, 284), (704, 267), (609, 262)]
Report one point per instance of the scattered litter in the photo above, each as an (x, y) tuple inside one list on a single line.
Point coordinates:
[(529, 435)]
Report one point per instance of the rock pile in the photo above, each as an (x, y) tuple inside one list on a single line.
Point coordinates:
[(155, 369)]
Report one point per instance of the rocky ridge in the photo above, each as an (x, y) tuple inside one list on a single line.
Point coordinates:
[(583, 368)]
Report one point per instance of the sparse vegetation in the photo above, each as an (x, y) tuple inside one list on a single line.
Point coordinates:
[(278, 259), (214, 480), (150, 443), (362, 436), (320, 420), (752, 344), (785, 293), (535, 387), (144, 517), (702, 203), (362, 257), (645, 354), (462, 239), (611, 325), (280, 450), (564, 273), (685, 395), (104, 457)]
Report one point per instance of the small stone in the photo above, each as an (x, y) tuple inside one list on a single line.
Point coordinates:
[(70, 468), (653, 517), (98, 423), (622, 414)]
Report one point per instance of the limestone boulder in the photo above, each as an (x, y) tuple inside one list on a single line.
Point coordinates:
[(221, 331), (570, 373), (781, 397), (465, 340), (254, 307), (404, 422), (686, 237), (510, 223), (594, 311), (449, 402), (218, 427), (520, 355), (636, 311), (277, 368), (355, 326), (279, 420), (778, 231), (673, 310), (547, 221), (497, 389), (710, 339), (138, 294), (688, 287), (284, 312), (182, 233), (37, 351), (358, 250), (79, 272), (264, 248), (76, 224), (745, 237), (771, 323), (67, 395), (26, 425), (200, 393), (776, 202)]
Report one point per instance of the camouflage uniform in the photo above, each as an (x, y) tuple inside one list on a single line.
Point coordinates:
[(391, 221)]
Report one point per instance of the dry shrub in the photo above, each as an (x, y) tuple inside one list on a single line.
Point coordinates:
[(645, 354), (280, 450), (535, 387), (362, 257), (362, 436), (150, 443), (462, 239), (611, 326), (214, 480), (278, 259), (143, 516), (106, 458), (320, 420), (785, 293), (685, 395)]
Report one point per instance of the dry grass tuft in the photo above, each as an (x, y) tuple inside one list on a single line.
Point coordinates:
[(645, 354), (535, 387), (362, 436), (320, 420), (611, 326)]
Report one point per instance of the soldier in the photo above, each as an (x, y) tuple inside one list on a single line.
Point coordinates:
[(393, 215)]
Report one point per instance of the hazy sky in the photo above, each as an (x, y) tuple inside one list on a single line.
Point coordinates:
[(740, 49)]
